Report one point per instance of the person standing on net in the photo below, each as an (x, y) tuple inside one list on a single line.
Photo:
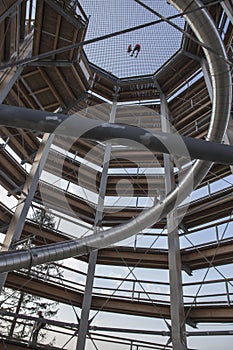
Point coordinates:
[(136, 50), (129, 48)]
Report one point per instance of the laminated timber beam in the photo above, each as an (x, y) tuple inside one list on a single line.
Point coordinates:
[(11, 344), (209, 208), (157, 258), (16, 142), (64, 295), (23, 143), (218, 203), (38, 27), (6, 8), (71, 167), (52, 87), (63, 81), (62, 24), (212, 314)]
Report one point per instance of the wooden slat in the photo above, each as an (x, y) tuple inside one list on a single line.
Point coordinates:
[(57, 30), (52, 87), (38, 27)]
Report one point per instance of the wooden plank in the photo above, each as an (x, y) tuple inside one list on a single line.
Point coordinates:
[(56, 35), (25, 95), (64, 83), (23, 10), (74, 52), (77, 77), (15, 143), (2, 40), (52, 87), (7, 42), (38, 27)]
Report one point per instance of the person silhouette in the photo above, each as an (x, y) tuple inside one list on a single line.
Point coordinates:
[(39, 324), (129, 48), (136, 50)]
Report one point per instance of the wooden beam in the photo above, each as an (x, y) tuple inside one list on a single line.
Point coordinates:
[(38, 26), (66, 295), (23, 10), (74, 40), (41, 90), (76, 75), (56, 35), (52, 87), (29, 102), (16, 143), (65, 83)]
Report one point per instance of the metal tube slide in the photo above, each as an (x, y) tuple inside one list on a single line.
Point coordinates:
[(41, 121), (206, 32)]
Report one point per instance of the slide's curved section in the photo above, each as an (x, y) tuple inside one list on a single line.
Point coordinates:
[(206, 32)]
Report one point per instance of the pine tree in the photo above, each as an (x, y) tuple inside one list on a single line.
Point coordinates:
[(20, 302), (43, 219)]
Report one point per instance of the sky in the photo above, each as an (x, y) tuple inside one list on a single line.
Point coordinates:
[(158, 42)]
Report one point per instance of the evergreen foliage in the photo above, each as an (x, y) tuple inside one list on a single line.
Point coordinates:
[(19, 302)]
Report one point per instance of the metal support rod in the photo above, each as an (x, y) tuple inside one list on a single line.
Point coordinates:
[(11, 77), (174, 258), (67, 325), (206, 74), (228, 294), (18, 30), (228, 138), (4, 92), (10, 10), (161, 333), (14, 321), (17, 222), (84, 322), (227, 7), (86, 305)]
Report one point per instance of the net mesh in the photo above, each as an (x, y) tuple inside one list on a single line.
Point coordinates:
[(158, 42)]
